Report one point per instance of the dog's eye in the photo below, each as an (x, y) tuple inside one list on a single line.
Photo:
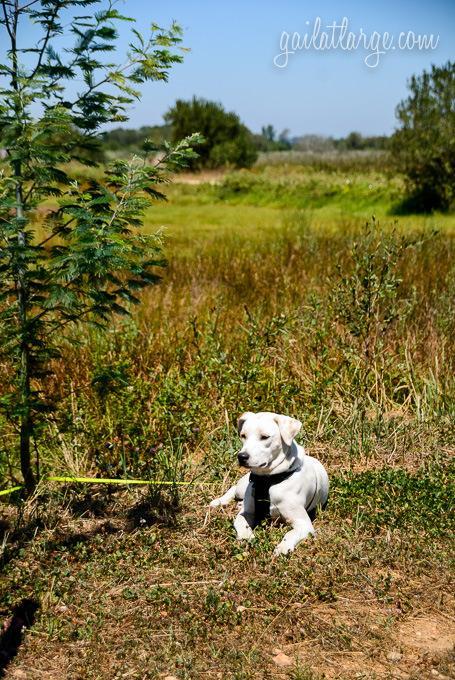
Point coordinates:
[(264, 437), (243, 436)]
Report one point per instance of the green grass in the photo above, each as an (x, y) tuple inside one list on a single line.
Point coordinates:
[(316, 190), (393, 498), (256, 203)]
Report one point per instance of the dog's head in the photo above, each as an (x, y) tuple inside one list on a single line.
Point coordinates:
[(266, 438)]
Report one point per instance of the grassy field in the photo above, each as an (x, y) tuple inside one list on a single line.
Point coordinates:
[(304, 290)]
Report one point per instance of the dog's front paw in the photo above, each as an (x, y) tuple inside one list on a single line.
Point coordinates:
[(283, 548), (245, 535), (215, 503)]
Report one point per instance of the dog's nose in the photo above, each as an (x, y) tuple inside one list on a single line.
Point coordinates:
[(243, 458)]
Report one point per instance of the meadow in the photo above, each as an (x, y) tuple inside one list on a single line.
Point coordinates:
[(298, 287)]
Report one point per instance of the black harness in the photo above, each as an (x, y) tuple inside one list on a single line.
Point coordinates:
[(261, 492)]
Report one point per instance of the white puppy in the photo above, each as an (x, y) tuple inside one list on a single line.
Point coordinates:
[(284, 481)]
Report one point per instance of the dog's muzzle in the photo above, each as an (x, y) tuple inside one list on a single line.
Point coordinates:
[(243, 459)]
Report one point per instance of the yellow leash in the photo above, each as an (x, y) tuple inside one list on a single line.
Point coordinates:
[(5, 492), (98, 480)]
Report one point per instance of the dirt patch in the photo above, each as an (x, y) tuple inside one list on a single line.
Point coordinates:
[(349, 641), (428, 635), (204, 177), (376, 644)]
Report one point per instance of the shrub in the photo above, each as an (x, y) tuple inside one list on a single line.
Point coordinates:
[(424, 145), (227, 140)]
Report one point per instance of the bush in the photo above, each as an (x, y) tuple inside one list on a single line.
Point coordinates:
[(424, 146), (227, 140)]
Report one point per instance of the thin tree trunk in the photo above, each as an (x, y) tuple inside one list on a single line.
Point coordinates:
[(26, 425)]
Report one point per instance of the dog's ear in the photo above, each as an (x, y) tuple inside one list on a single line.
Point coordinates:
[(242, 419), (289, 427)]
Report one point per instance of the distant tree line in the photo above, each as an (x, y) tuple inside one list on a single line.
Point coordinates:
[(354, 141), (269, 140), (129, 139), (227, 140), (357, 142)]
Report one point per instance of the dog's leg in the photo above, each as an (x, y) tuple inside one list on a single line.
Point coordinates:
[(225, 499), (245, 521), (244, 525), (301, 529), (236, 492)]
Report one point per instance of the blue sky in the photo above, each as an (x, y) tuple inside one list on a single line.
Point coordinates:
[(330, 92)]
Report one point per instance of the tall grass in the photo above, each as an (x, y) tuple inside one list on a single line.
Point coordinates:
[(330, 160), (348, 328)]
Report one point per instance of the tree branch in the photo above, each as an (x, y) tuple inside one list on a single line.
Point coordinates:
[(8, 28), (55, 233), (24, 7), (57, 8)]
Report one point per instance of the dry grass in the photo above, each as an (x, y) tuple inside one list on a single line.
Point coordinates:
[(129, 589)]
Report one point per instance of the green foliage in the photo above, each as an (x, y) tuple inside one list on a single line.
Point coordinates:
[(227, 140), (366, 301), (127, 141), (90, 259), (263, 308), (396, 499), (125, 396), (424, 144), (332, 328)]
